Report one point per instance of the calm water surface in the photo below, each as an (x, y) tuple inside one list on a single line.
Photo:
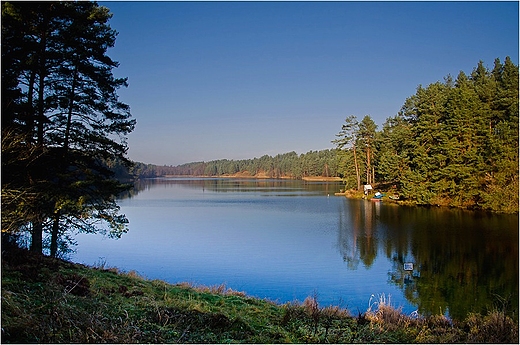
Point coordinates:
[(286, 240)]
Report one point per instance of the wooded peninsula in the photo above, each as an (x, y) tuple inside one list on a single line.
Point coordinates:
[(453, 143)]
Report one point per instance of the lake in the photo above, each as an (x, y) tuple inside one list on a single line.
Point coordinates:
[(285, 240)]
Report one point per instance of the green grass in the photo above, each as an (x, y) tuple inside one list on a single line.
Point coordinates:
[(48, 300)]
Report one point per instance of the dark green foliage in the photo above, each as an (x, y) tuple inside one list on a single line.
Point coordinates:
[(61, 121), (465, 138), (454, 143)]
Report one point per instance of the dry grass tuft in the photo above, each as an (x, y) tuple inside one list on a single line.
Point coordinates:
[(335, 311), (310, 305), (496, 327), (134, 274), (386, 316), (214, 289)]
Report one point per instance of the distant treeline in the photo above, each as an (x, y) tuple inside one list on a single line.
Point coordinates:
[(291, 165)]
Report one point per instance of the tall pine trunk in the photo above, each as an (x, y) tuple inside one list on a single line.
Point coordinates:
[(358, 177), (64, 163), (37, 230), (369, 180)]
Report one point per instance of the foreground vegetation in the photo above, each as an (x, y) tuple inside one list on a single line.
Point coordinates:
[(51, 300)]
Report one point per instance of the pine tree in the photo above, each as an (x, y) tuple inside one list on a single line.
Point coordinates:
[(463, 141), (500, 185), (346, 142), (367, 139), (69, 109), (393, 150)]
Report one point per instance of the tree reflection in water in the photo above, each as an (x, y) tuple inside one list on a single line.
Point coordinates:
[(463, 261)]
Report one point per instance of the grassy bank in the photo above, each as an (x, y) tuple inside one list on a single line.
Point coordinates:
[(50, 300)]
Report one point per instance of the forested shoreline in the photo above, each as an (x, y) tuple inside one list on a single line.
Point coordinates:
[(453, 143), (287, 165)]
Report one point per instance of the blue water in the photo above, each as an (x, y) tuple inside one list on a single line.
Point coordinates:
[(280, 240)]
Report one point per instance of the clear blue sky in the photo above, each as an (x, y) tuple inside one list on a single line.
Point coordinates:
[(237, 80)]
